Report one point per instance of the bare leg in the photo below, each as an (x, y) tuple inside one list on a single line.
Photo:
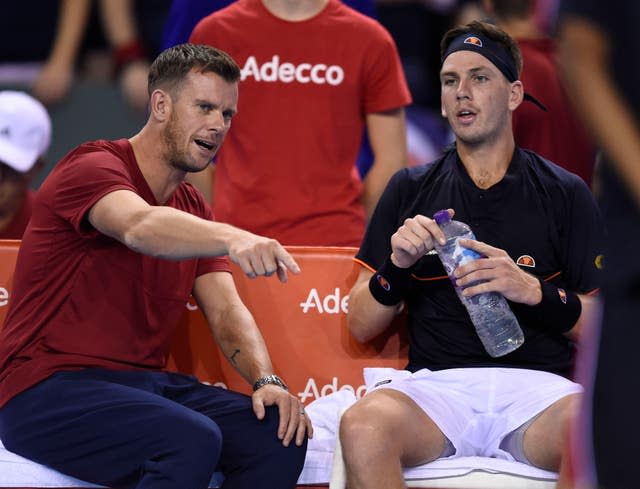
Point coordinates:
[(544, 439), (383, 432)]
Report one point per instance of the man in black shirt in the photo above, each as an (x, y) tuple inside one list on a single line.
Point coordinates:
[(539, 230)]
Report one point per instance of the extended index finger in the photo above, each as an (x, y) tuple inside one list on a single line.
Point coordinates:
[(285, 262)]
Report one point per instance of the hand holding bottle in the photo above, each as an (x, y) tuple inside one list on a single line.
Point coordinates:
[(496, 272), (414, 239)]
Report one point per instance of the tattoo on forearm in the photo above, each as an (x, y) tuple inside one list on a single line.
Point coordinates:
[(232, 357)]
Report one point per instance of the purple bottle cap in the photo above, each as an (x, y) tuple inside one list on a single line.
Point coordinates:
[(442, 216)]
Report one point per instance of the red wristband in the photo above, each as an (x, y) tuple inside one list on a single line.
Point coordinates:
[(127, 53)]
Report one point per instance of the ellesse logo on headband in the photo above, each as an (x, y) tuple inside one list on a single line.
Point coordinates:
[(473, 40)]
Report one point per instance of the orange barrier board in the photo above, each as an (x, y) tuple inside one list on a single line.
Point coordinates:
[(303, 322)]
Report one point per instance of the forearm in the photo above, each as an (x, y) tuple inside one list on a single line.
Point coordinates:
[(378, 177), (165, 232), (367, 318), (556, 310), (585, 60), (118, 19), (242, 343), (388, 138), (589, 314), (615, 127), (71, 27)]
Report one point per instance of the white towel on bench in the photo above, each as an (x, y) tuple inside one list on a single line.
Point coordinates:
[(17, 471)]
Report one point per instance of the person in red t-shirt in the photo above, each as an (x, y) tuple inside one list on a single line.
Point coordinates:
[(25, 135), (557, 133), (315, 73), (117, 243)]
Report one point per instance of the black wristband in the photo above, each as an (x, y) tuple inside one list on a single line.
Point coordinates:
[(558, 310), (389, 283)]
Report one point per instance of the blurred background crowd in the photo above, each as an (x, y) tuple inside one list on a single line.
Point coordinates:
[(87, 60)]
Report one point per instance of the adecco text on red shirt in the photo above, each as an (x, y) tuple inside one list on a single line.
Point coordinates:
[(272, 71)]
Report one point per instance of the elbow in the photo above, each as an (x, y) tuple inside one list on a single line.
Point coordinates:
[(139, 237), (588, 323), (134, 239), (358, 329), (366, 318)]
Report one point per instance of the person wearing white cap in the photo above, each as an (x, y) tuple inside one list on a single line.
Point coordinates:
[(25, 136)]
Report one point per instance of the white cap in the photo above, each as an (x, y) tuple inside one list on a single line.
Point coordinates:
[(25, 130)]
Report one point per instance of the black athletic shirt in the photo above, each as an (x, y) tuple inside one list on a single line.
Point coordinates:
[(543, 216)]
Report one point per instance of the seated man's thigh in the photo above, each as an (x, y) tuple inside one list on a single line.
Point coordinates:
[(389, 420), (543, 440)]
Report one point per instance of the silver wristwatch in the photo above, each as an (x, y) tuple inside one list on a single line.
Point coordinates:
[(269, 379)]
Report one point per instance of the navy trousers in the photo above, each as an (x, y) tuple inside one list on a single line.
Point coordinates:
[(148, 430)]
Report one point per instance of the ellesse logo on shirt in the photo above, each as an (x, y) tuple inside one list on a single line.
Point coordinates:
[(526, 261), (274, 71)]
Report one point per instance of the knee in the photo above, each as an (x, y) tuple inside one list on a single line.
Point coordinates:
[(292, 455), (264, 461), (288, 460), (186, 440), (208, 439), (197, 438), (363, 428)]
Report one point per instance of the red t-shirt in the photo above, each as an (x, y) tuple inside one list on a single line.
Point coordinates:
[(556, 134), (15, 228), (82, 299), (286, 169)]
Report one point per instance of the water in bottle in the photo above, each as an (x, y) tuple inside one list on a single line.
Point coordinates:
[(492, 317)]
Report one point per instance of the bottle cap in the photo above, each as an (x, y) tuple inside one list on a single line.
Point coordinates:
[(442, 216)]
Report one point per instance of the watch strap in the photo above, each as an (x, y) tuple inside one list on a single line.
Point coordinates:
[(269, 379)]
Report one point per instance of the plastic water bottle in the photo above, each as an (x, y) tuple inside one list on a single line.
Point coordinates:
[(492, 317)]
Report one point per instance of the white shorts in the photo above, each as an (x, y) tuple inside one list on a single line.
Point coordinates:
[(476, 407)]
